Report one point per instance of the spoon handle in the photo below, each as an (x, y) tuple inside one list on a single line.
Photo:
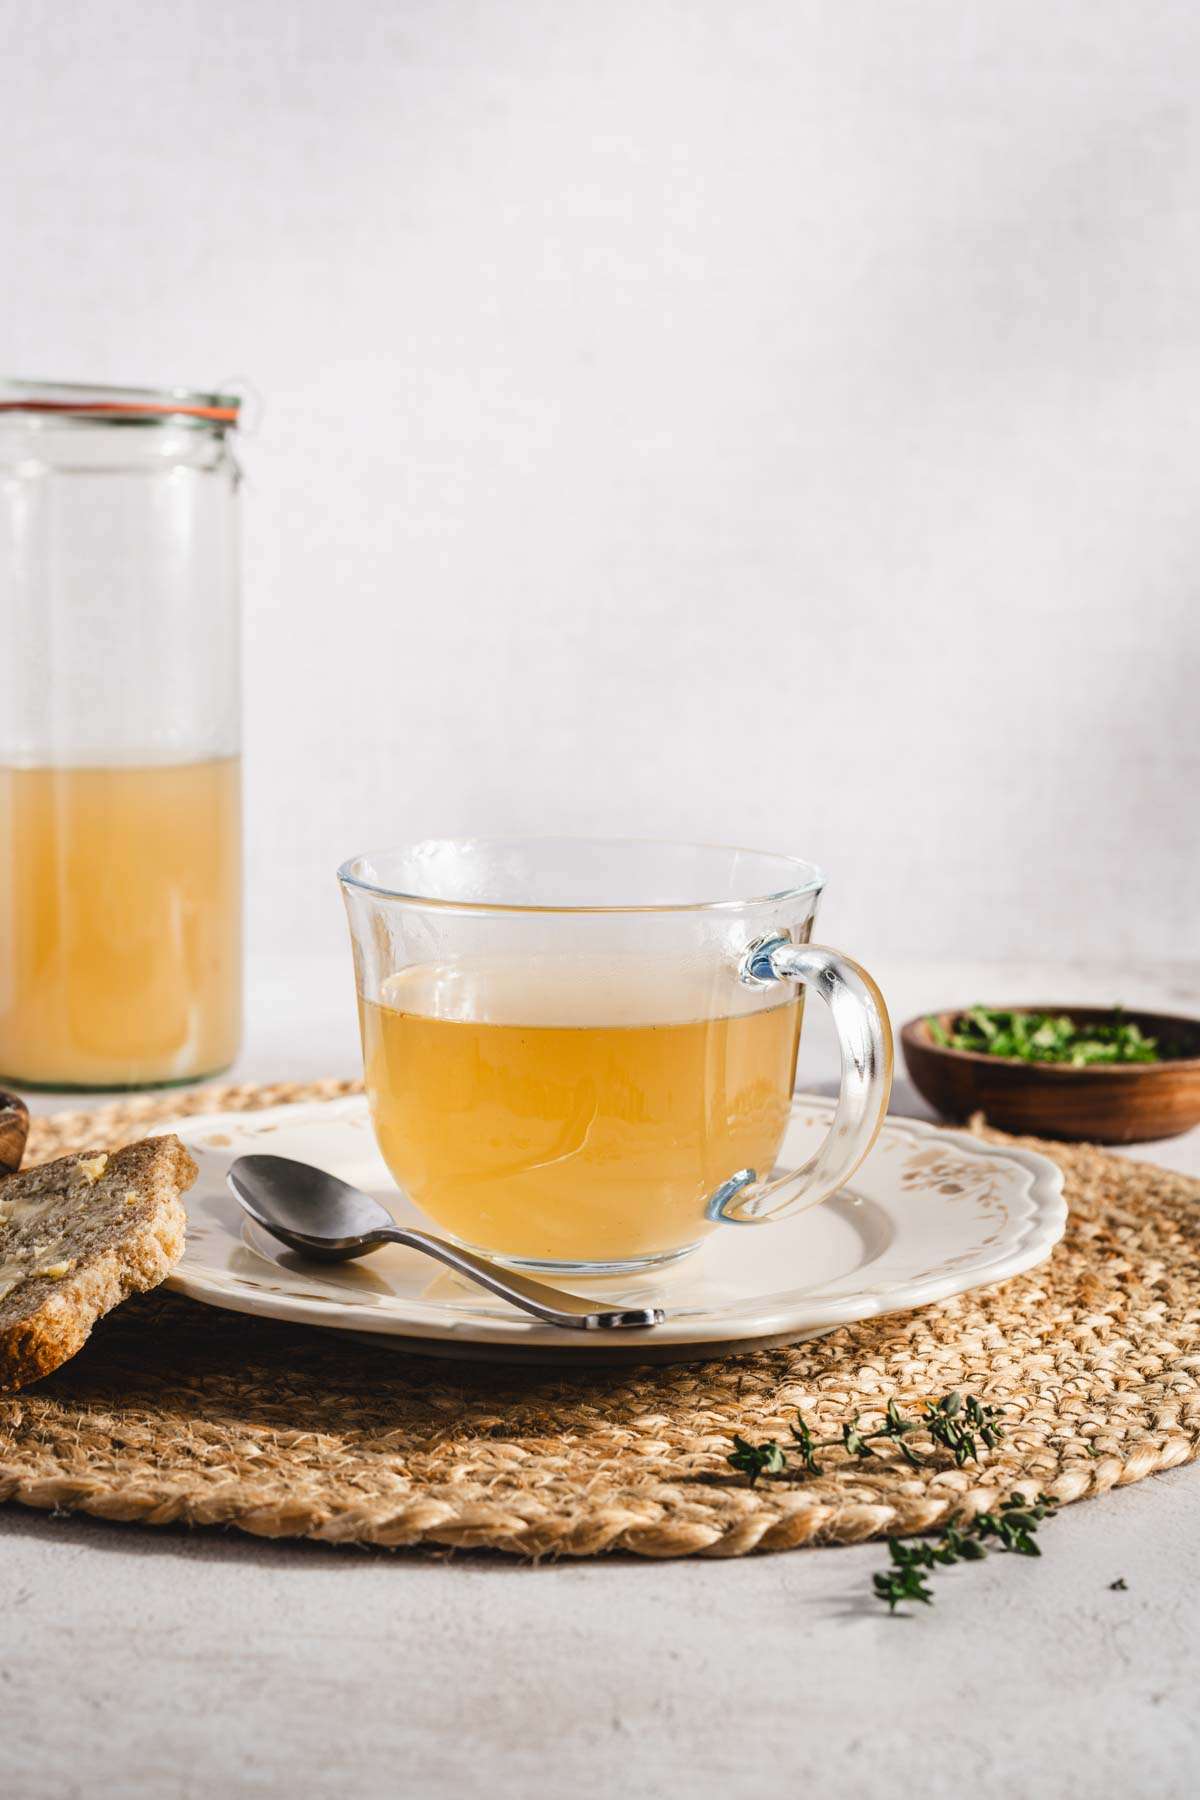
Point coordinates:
[(553, 1305)]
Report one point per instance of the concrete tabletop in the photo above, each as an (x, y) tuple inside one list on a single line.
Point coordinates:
[(161, 1663)]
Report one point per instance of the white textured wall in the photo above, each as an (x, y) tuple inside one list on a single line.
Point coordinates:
[(773, 422)]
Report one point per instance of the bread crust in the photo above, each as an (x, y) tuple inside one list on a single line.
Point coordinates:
[(128, 1235)]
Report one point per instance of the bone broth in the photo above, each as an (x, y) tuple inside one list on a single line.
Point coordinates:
[(119, 922), (574, 1113)]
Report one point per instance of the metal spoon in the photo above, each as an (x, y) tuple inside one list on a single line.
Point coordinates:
[(327, 1219)]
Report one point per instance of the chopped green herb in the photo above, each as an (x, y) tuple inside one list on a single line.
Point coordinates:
[(1046, 1038), (1120, 1585)]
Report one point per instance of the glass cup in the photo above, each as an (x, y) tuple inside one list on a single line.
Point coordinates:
[(580, 1053)]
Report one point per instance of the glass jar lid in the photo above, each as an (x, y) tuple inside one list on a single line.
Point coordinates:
[(120, 405)]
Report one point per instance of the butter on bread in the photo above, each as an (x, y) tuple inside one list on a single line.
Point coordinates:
[(77, 1237)]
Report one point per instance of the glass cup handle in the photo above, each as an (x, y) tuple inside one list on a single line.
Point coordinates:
[(865, 1037)]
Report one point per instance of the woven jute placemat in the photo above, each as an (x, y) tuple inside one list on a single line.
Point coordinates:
[(176, 1413)]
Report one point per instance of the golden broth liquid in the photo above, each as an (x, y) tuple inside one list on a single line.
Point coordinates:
[(589, 1131), (120, 923)]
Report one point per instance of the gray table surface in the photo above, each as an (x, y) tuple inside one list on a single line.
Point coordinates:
[(158, 1663)]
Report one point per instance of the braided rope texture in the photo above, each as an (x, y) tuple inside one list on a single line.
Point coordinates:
[(174, 1413)]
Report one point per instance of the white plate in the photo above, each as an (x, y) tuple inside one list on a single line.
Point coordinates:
[(932, 1213)]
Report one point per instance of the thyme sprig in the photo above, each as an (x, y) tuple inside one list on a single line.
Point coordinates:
[(1014, 1526), (957, 1422)]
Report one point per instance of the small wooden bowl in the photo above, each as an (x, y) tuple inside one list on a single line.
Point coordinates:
[(14, 1127), (1126, 1103)]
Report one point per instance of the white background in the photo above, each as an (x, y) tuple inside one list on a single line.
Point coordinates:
[(775, 423)]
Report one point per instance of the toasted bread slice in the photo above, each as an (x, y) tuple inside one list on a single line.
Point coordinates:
[(77, 1237)]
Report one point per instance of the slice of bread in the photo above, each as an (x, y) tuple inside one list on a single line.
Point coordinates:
[(77, 1237)]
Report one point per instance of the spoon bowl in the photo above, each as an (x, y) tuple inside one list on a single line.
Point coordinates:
[(316, 1212)]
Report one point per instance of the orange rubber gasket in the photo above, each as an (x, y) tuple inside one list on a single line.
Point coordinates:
[(221, 415)]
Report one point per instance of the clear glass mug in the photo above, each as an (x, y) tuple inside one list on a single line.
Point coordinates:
[(580, 1053)]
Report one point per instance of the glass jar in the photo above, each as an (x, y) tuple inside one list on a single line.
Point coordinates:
[(120, 782)]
